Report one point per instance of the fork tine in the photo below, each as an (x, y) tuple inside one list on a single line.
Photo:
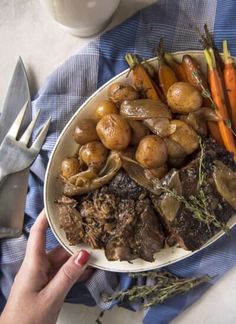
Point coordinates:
[(41, 136), (26, 136), (14, 129)]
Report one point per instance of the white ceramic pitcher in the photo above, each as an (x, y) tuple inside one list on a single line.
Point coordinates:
[(82, 17)]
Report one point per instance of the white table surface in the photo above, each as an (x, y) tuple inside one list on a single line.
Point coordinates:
[(28, 31)]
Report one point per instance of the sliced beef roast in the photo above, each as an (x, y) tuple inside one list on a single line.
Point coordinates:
[(187, 230), (129, 222), (70, 220), (119, 218), (125, 187)]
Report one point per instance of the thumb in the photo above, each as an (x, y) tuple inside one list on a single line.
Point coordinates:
[(67, 276)]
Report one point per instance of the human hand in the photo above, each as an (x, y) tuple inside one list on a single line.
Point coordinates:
[(43, 280)]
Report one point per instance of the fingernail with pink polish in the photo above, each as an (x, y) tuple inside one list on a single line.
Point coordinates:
[(82, 258)]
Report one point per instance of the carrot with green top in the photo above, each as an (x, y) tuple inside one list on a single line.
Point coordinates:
[(207, 40), (230, 82), (142, 80), (219, 100), (196, 77)]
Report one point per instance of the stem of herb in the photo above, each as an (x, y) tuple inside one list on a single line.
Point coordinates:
[(165, 285)]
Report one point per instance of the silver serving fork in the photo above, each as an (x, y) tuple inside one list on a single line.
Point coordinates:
[(15, 154)]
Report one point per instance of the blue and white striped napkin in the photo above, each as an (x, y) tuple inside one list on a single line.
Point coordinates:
[(72, 83)]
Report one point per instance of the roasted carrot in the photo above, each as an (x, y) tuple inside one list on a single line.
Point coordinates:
[(195, 76), (193, 72), (153, 75), (219, 100), (215, 131), (142, 80), (166, 75), (176, 67), (230, 82), (207, 41), (158, 89)]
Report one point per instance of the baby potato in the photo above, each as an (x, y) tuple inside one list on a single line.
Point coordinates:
[(70, 167), (119, 92), (185, 136), (151, 152), (114, 132), (138, 131), (183, 98), (85, 131), (93, 154), (104, 108)]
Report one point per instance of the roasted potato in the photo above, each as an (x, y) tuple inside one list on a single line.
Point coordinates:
[(183, 98), (85, 131), (185, 136), (70, 167), (118, 92), (151, 152), (104, 108), (94, 155), (114, 132), (138, 131)]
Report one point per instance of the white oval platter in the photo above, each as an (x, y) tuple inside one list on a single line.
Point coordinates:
[(66, 147)]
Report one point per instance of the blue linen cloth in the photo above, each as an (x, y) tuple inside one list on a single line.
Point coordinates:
[(71, 84)]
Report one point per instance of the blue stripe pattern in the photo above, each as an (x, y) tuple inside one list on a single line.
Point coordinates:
[(71, 84)]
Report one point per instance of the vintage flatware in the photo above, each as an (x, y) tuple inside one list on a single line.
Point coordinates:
[(15, 152), (13, 193)]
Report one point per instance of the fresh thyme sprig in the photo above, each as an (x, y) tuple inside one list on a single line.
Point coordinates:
[(228, 123), (197, 206), (165, 285), (201, 172), (205, 92)]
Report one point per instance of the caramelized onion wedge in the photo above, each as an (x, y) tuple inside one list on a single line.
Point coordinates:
[(157, 172), (141, 109), (80, 187), (207, 114), (197, 119), (185, 135), (139, 130), (160, 126), (225, 181), (176, 153), (200, 127), (82, 177), (169, 206), (137, 173)]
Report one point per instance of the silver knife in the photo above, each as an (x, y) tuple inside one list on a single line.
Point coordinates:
[(13, 193)]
